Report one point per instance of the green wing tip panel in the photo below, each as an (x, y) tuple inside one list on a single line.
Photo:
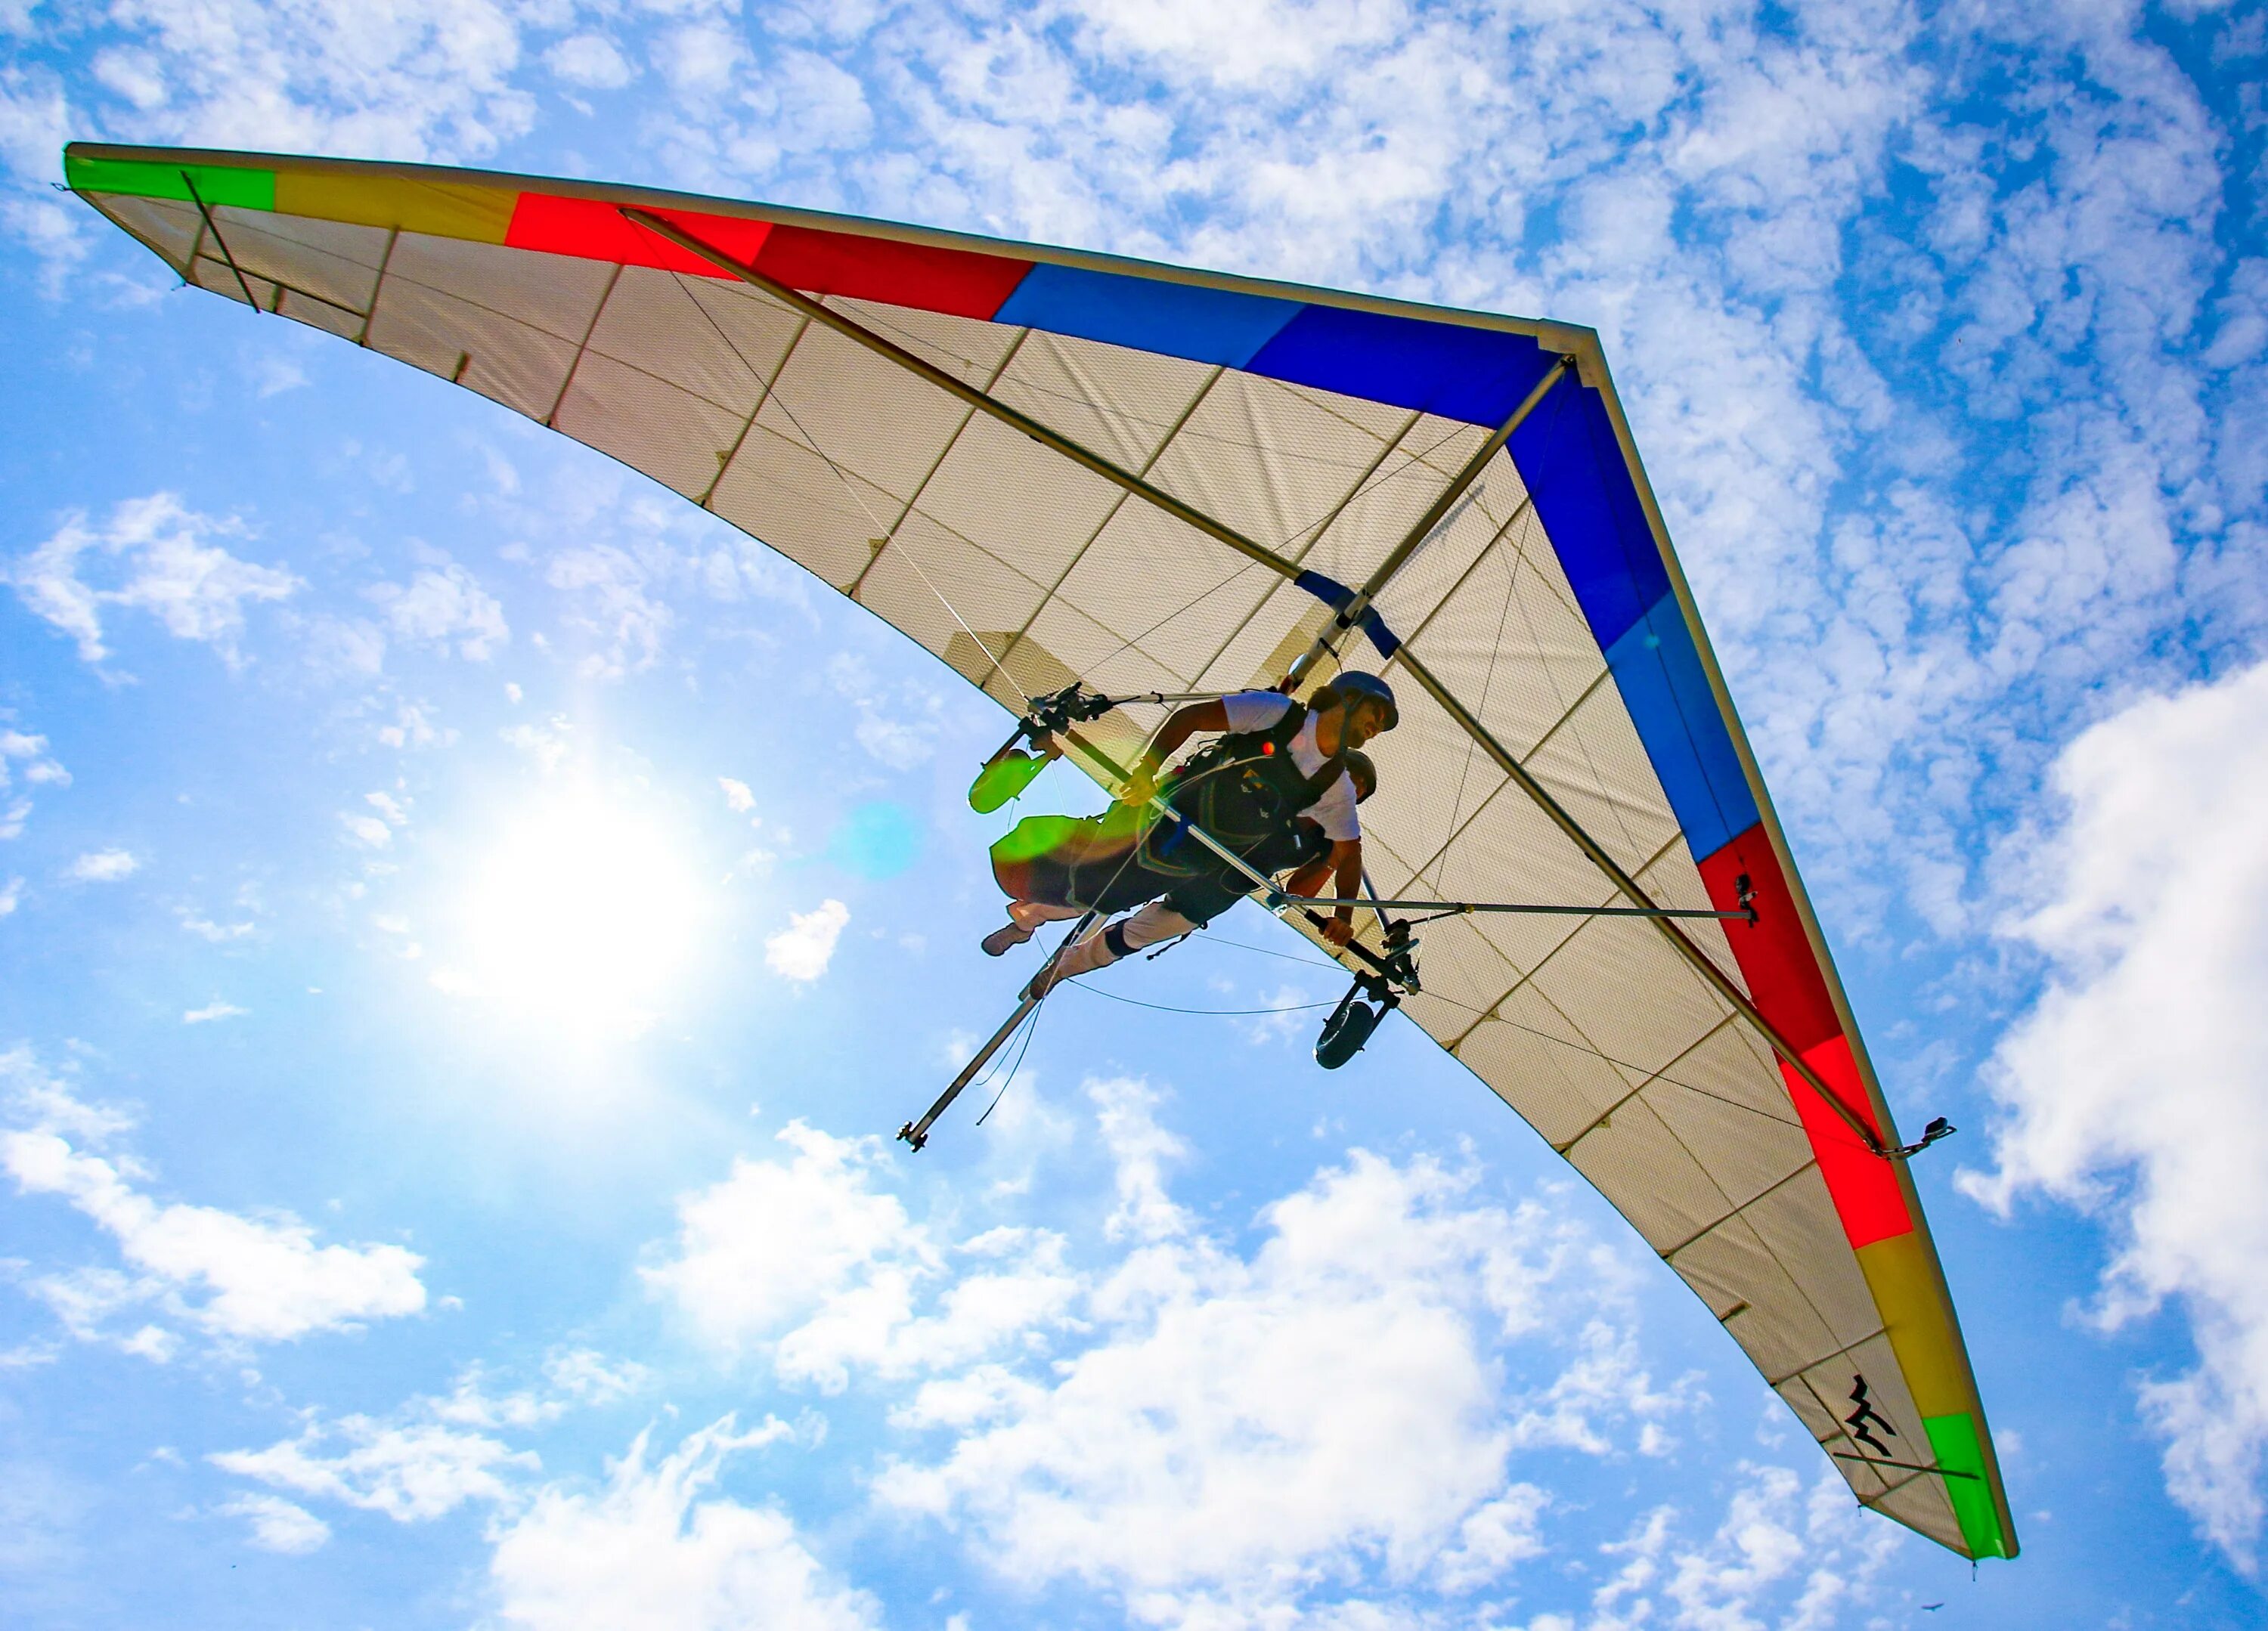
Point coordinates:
[(1222, 459)]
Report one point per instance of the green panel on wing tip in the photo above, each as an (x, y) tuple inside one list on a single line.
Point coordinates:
[(216, 184), (1954, 1439)]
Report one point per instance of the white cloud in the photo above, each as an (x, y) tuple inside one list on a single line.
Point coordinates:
[(368, 831), (1210, 1436), (2151, 915), (589, 1377), (159, 557), (897, 725), (414, 728), (1178, 1425), (436, 1454), (278, 1525), (273, 374), (1798, 1558), (803, 949), (590, 60), (773, 1243), (656, 1549), (738, 798), (215, 1009), (411, 1471), (39, 768), (439, 604), (233, 1278), (219, 934), (1241, 1430), (105, 866), (11, 896), (607, 600), (394, 811), (426, 80), (1493, 1537)]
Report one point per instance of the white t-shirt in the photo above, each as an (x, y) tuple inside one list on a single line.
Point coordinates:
[(1334, 812)]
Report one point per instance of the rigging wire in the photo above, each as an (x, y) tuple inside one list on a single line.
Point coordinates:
[(889, 535), (1289, 957), (1223, 1013), (1651, 1076)]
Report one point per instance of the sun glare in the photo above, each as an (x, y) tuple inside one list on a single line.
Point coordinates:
[(583, 918)]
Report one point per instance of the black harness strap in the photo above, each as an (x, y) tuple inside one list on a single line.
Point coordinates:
[(1246, 789)]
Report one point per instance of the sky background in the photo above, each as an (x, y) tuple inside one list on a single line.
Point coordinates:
[(469, 922)]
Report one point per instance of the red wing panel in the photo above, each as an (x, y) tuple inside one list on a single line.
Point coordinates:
[(881, 269), (1774, 953), (1863, 1186), (596, 231)]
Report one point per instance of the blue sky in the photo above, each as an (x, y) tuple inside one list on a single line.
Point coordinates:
[(469, 924)]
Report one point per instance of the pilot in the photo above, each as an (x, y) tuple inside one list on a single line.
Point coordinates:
[(1279, 788)]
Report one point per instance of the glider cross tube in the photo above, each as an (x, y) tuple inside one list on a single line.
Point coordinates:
[(819, 312)]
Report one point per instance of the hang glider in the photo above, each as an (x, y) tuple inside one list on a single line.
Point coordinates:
[(1052, 469)]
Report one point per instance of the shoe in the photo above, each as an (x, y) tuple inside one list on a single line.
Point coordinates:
[(1005, 939)]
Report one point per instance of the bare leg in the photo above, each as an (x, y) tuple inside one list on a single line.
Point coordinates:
[(1105, 945), (1031, 913)]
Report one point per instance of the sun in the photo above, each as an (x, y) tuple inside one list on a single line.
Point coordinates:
[(582, 917)]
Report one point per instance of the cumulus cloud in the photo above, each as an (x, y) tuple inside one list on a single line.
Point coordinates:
[(366, 830), (443, 604), (434, 1453), (105, 866), (1784, 1554), (1201, 1432), (212, 1010), (153, 554), (774, 1241), (2152, 919), (235, 1278), (898, 724), (22, 753), (278, 1525), (26, 754), (738, 798), (590, 60), (807, 945), (658, 1549), (410, 1472), (1199, 1454)]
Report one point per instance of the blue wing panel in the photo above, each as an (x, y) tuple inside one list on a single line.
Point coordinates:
[(1149, 314), (1475, 374), (1574, 466), (1658, 673)]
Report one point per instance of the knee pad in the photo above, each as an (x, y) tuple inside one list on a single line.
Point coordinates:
[(1114, 939)]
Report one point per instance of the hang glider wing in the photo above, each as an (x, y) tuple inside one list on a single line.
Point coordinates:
[(1047, 465)]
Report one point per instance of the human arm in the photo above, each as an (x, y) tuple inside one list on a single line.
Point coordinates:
[(1179, 726), (1346, 871)]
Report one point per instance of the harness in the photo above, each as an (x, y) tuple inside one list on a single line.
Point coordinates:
[(1246, 791)]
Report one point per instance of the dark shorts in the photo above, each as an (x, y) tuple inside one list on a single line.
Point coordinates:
[(1097, 865)]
